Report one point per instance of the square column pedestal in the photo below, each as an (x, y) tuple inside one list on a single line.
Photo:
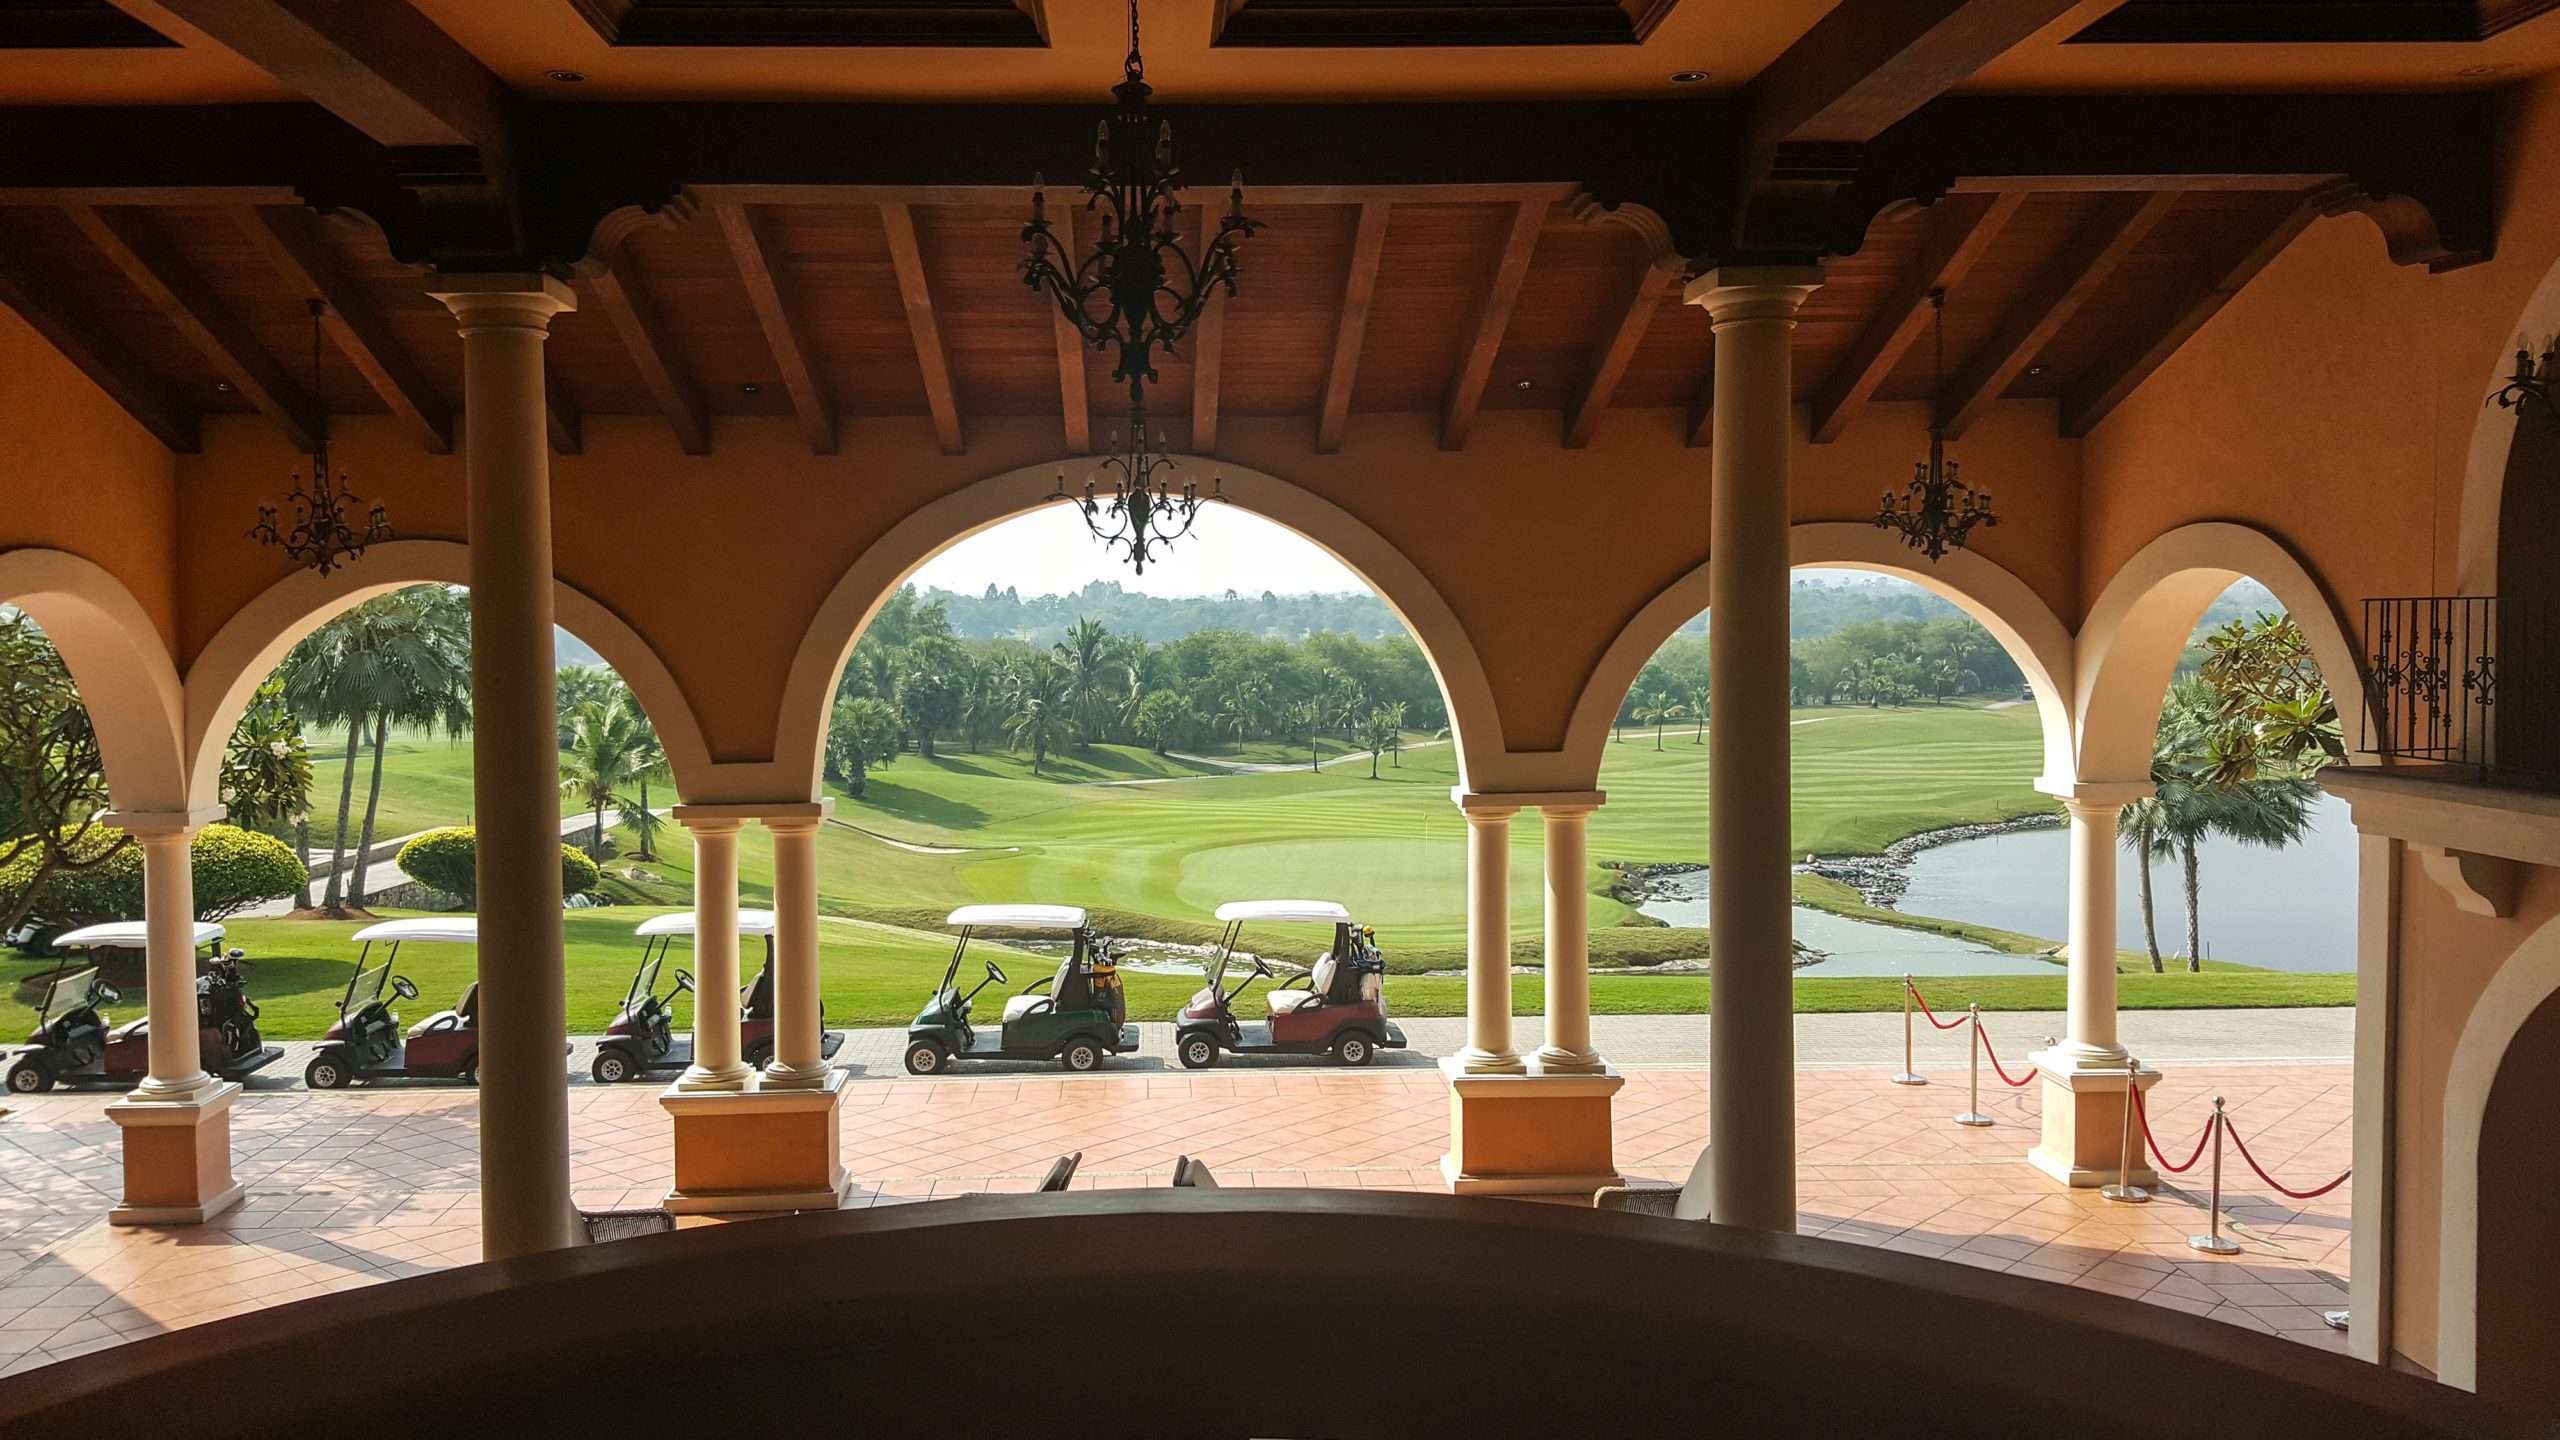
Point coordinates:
[(758, 1149), (177, 1158), (2084, 1121), (1529, 1134)]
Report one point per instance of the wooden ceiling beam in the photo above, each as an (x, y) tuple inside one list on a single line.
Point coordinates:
[(1208, 351), (291, 239), (924, 326), (664, 372), (1868, 64), (560, 416), (140, 249), (1493, 318), (1702, 411), (381, 66), (2067, 281), (809, 398), (2246, 247), (1359, 288), (1962, 230), (1609, 363), (129, 383), (1075, 407)]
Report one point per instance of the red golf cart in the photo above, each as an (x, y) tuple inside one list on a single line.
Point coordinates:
[(1341, 1009), (75, 1043), (367, 1043), (643, 1038)]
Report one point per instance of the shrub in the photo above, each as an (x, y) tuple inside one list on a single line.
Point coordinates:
[(234, 869), (448, 859)]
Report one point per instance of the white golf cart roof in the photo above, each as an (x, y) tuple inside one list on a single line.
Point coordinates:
[(460, 929), (129, 934), (1019, 917), (750, 922), (1323, 912)]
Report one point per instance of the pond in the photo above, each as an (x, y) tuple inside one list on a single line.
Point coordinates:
[(1856, 947), (2290, 909)]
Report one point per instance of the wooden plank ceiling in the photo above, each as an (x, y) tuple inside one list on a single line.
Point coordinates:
[(830, 311)]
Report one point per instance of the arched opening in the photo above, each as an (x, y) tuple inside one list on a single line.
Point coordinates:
[(2518, 1334), (2526, 741)]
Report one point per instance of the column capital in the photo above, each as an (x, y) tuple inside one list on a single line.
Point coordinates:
[(2094, 794), (1512, 802), (528, 300), (1753, 292), (772, 814), (144, 824), (1484, 809), (709, 819)]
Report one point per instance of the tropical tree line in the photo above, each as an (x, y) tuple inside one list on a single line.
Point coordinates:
[(1868, 662), (912, 683)]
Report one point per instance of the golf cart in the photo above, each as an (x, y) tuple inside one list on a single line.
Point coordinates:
[(72, 1043), (367, 1042), (1075, 1017), (1342, 1011), (642, 1038)]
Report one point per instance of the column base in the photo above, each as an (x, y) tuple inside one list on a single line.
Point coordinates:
[(757, 1149), (2084, 1113), (1551, 1061), (177, 1158), (1471, 1061), (1529, 1132)]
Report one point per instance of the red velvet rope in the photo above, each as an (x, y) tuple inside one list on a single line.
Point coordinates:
[(1995, 1062), (2142, 1109), (1926, 1013), (2243, 1147)]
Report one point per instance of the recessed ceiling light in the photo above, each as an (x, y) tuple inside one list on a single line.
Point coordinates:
[(2474, 72), (565, 77), (749, 388), (1688, 77), (2035, 369), (1520, 384), (222, 386)]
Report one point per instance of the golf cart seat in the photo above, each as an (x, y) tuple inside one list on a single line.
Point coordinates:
[(1282, 1002), (465, 1012), (1027, 1003)]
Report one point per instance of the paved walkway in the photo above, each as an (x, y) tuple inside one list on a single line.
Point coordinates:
[(355, 1187)]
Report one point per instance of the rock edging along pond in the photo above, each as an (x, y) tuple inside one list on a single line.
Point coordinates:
[(1881, 880)]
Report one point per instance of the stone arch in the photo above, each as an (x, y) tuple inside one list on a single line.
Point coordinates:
[(2493, 437), (2508, 1006), (2129, 646), (117, 659), (254, 640), (2001, 602), (800, 738)]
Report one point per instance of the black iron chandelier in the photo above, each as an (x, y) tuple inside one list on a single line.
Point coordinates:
[(1137, 293), (2532, 381), (1937, 510), (1145, 509), (320, 537)]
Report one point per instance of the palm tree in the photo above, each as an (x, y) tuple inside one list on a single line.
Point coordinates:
[(1377, 735), (649, 757), (2193, 798), (1041, 720), (1656, 708), (1395, 743), (604, 757), (1089, 658)]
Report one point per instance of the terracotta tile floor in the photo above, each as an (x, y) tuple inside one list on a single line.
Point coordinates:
[(351, 1189)]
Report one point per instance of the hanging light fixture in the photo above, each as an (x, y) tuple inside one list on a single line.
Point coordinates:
[(1936, 510), (319, 537), (1132, 501), (1137, 294), (2532, 381)]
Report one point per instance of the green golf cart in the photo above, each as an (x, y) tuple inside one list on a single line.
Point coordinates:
[(1075, 1017)]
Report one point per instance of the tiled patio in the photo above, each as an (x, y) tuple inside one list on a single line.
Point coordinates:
[(349, 1189)]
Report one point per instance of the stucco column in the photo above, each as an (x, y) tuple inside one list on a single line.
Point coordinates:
[(2092, 955), (1751, 1028), (716, 1062), (797, 1063), (1489, 1049), (524, 1077), (2084, 1079), (1568, 967), (169, 924)]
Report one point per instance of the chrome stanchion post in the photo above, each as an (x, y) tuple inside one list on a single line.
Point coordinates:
[(2212, 1241), (1908, 1076), (1973, 1079), (2124, 1191)]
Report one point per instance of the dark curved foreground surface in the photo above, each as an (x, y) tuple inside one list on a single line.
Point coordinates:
[(1226, 1313)]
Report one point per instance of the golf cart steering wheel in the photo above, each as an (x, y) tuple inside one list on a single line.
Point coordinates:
[(995, 972), (103, 993), (684, 981), (401, 987)]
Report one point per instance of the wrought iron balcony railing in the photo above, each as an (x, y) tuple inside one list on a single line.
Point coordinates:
[(2465, 680)]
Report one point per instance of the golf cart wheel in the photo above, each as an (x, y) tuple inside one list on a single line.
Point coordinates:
[(926, 1058), (759, 1055), (471, 1072), (1081, 1055), (30, 1076), (612, 1067), (1197, 1052), (326, 1072), (1354, 1049)]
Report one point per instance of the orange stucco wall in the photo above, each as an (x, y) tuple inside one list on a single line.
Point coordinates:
[(82, 477)]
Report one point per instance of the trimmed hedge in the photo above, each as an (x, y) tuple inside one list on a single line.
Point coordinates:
[(448, 859), (234, 870)]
